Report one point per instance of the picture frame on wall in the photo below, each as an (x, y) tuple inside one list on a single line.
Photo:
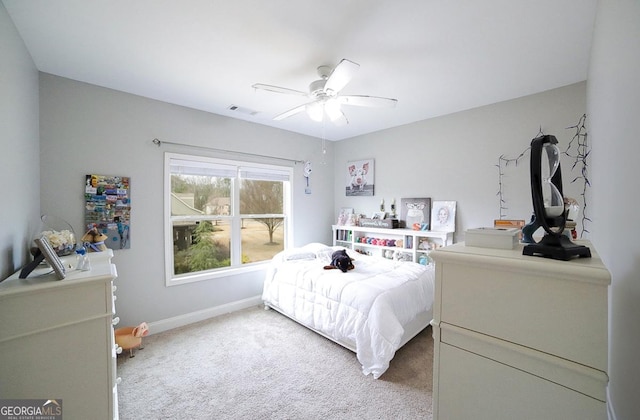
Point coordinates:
[(415, 211), (108, 208), (360, 178), (443, 216), (379, 215)]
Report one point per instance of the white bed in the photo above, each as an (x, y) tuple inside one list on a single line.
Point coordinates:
[(372, 310)]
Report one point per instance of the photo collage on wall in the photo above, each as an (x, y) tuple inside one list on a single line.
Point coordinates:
[(108, 208)]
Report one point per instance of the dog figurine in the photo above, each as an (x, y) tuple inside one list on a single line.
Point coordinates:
[(358, 176), (93, 240), (341, 261)]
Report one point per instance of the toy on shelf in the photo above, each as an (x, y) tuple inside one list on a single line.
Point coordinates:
[(379, 241), (93, 240), (131, 337)]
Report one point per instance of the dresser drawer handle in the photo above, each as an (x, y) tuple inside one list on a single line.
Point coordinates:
[(115, 320), (118, 349), (114, 287)]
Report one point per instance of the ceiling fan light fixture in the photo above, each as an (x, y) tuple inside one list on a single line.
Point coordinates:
[(332, 108), (315, 111), (325, 95)]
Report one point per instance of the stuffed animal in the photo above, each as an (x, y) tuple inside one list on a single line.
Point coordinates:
[(341, 261), (131, 337), (93, 240)]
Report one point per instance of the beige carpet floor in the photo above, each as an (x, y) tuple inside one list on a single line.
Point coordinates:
[(257, 364)]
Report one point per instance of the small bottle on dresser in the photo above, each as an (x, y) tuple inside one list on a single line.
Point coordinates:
[(82, 259)]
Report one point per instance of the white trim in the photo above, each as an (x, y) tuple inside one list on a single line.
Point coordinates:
[(190, 318), (611, 414), (236, 266), (218, 273)]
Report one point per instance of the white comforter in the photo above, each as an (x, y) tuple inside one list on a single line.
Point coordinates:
[(368, 305)]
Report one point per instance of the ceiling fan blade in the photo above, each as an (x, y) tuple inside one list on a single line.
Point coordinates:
[(341, 121), (279, 89), (341, 75), (290, 112), (369, 101)]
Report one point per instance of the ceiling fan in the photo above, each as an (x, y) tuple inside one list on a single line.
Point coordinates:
[(325, 95)]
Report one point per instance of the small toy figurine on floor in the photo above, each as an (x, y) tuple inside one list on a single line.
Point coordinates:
[(93, 240), (131, 337)]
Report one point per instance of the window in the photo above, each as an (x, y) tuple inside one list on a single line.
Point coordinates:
[(222, 216)]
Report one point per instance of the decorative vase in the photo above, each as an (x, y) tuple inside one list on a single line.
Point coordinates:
[(59, 233)]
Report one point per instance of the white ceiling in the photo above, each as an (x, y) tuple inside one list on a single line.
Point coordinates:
[(435, 56)]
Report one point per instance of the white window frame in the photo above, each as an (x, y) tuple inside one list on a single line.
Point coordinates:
[(236, 217)]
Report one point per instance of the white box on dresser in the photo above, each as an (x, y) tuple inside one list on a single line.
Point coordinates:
[(518, 336), (56, 338)]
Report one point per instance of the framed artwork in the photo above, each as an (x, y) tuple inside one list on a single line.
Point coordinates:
[(108, 208), (443, 216), (415, 211), (360, 177), (379, 215), (51, 256)]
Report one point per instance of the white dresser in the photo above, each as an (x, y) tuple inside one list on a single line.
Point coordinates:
[(519, 337), (56, 338)]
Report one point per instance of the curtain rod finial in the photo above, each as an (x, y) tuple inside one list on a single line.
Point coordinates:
[(157, 142)]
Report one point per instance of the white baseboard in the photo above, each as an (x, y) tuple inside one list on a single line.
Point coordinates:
[(611, 414), (190, 318)]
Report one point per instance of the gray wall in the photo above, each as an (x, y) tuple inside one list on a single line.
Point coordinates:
[(614, 103), (88, 129), (454, 157), (19, 148)]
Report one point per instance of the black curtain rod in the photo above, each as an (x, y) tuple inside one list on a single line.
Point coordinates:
[(160, 143)]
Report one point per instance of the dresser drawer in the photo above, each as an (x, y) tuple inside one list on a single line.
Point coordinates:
[(479, 388), (550, 314), (46, 308), (571, 375)]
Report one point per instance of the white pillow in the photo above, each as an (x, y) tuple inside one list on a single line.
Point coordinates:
[(299, 255)]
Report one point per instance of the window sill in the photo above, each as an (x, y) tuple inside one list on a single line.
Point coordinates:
[(216, 274)]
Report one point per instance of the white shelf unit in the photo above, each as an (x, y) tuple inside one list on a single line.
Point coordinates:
[(415, 243)]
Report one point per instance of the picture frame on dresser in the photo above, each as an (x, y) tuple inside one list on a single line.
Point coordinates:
[(51, 257)]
